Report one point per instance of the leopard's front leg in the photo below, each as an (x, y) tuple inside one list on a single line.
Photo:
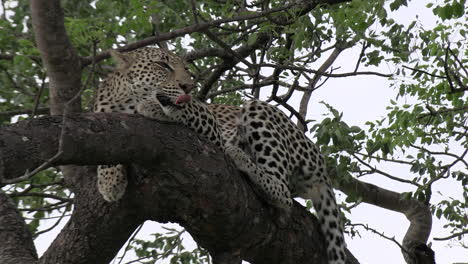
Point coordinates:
[(152, 109)]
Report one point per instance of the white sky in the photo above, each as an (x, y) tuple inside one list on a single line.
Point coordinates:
[(361, 99)]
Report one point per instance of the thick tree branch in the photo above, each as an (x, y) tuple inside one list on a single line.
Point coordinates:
[(416, 212), (174, 178), (303, 106), (16, 241), (58, 55)]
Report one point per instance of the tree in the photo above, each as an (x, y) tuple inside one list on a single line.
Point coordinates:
[(52, 58)]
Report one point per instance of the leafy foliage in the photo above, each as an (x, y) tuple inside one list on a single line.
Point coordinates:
[(425, 128)]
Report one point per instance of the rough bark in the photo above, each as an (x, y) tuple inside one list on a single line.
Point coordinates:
[(16, 246), (58, 55), (174, 178), (418, 213)]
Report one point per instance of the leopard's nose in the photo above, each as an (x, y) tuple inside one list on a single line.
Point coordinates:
[(187, 87)]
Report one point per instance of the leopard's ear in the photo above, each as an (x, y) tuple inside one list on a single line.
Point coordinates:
[(123, 61)]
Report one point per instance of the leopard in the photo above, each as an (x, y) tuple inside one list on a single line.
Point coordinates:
[(137, 75), (277, 157)]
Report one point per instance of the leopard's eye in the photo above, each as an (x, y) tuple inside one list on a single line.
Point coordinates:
[(165, 65)]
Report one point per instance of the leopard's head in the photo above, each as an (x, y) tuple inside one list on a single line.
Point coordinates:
[(142, 71)]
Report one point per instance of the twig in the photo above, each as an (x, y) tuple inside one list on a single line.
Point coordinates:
[(317, 86), (451, 236), (384, 173), (194, 13), (335, 75), (381, 235), (277, 71), (446, 69), (38, 97), (48, 208), (447, 167), (11, 56), (292, 110), (444, 110), (44, 195), (442, 153), (127, 248), (186, 30), (291, 89), (46, 218), (39, 111), (226, 47), (27, 175), (459, 62), (138, 259), (2, 16), (52, 227), (385, 159), (13, 82), (363, 50), (425, 72)]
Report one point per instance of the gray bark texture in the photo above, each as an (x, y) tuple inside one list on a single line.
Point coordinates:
[(174, 177)]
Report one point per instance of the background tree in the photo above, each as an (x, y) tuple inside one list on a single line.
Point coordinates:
[(52, 56)]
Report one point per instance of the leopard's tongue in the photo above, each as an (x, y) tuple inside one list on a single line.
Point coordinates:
[(183, 99)]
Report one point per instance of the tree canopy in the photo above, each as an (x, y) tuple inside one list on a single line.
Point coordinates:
[(53, 54)]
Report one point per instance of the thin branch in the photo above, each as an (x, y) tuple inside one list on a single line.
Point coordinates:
[(38, 96), (365, 45), (14, 84), (381, 234), (303, 105), (206, 52), (226, 47), (335, 75), (443, 111), (194, 13), (27, 175), (38, 233), (201, 27), (239, 88), (2, 16), (47, 208), (138, 260), (456, 157), (447, 167), (127, 248), (384, 173), (293, 111), (39, 111), (385, 159), (11, 56), (42, 195), (285, 97), (459, 62), (229, 63), (47, 218), (42, 186), (425, 72), (459, 234)]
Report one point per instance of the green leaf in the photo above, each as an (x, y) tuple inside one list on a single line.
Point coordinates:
[(457, 10)]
